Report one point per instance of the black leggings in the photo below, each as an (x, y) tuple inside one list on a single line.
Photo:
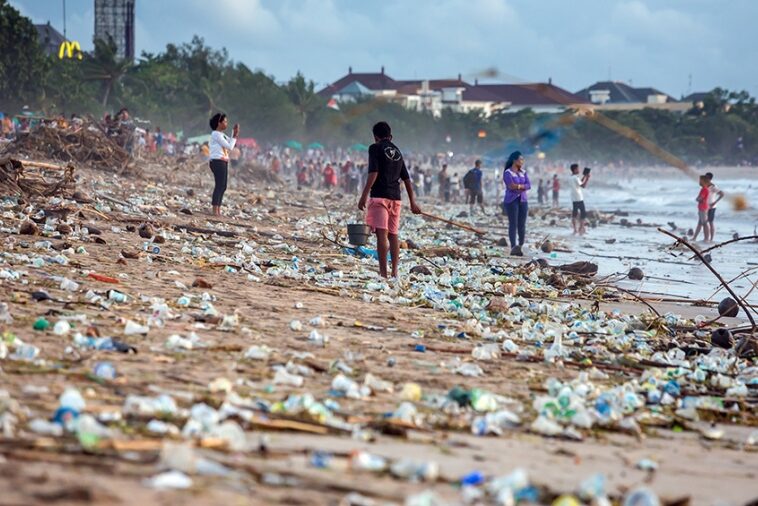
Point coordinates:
[(220, 169)]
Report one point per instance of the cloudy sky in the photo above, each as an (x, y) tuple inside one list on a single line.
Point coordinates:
[(666, 44)]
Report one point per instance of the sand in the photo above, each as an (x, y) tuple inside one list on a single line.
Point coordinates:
[(38, 469)]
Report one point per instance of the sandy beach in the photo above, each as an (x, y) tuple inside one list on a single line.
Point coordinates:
[(274, 267)]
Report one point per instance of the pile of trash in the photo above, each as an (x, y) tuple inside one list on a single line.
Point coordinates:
[(86, 144), (252, 172)]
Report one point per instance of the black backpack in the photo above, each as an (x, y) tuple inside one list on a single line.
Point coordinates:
[(468, 180)]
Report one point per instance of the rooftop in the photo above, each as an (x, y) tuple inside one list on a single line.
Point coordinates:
[(623, 93)]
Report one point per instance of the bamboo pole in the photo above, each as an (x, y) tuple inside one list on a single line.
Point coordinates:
[(453, 223)]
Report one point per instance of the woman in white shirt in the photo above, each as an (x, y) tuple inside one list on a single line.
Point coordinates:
[(220, 147)]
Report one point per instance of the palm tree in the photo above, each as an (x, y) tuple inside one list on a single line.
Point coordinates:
[(303, 96), (103, 65)]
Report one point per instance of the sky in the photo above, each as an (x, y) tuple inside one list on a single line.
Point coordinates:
[(677, 46)]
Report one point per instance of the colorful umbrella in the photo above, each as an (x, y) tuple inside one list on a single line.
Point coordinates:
[(294, 145)]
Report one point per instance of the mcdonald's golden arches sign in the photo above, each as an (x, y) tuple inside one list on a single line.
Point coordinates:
[(70, 49)]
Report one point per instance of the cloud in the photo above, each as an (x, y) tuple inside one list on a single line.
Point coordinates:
[(654, 42)]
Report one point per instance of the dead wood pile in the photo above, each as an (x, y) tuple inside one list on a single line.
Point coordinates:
[(35, 179), (87, 145)]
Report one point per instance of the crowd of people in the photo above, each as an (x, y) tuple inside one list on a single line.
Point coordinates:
[(448, 179)]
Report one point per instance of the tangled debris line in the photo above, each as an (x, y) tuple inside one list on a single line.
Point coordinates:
[(29, 179), (87, 145), (257, 173)]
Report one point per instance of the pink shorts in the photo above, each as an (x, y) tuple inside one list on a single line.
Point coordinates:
[(384, 214)]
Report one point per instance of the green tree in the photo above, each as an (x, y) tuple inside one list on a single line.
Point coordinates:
[(104, 66), (303, 95), (22, 62)]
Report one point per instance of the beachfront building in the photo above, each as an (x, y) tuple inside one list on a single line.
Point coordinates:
[(356, 85), (432, 95), (539, 97), (49, 38), (615, 95), (114, 20), (435, 95)]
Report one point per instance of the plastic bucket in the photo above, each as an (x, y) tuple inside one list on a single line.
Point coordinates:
[(358, 234)]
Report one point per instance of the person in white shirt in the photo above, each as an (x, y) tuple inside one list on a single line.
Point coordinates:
[(578, 211), (220, 148), (714, 196)]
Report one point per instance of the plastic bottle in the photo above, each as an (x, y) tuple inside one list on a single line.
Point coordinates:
[(320, 460), (61, 328), (256, 352), (406, 413), (411, 392), (151, 248), (468, 369), (104, 370), (282, 377), (5, 315), (45, 427), (133, 327), (377, 384), (417, 471), (366, 461), (317, 338), (68, 285), (72, 399), (117, 296), (482, 401), (25, 352), (489, 351), (641, 497)]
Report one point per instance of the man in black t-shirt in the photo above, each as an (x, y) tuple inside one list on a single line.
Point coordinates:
[(386, 168)]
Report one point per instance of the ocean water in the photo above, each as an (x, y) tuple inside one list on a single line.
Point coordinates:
[(660, 201)]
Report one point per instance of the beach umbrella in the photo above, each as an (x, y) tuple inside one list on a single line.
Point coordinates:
[(294, 145), (358, 147), (248, 142), (315, 145)]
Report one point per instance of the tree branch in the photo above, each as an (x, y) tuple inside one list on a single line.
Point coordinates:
[(682, 240)]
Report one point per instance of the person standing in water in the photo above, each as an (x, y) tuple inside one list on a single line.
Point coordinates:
[(578, 210), (702, 210), (515, 202), (556, 190), (714, 196), (221, 147)]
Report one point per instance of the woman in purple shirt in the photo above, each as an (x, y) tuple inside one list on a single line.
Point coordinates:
[(515, 201)]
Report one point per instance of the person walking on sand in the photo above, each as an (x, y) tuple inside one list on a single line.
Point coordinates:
[(540, 192), (578, 210), (714, 197), (220, 147), (472, 181), (556, 189), (455, 187), (386, 168), (515, 202), (702, 210)]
